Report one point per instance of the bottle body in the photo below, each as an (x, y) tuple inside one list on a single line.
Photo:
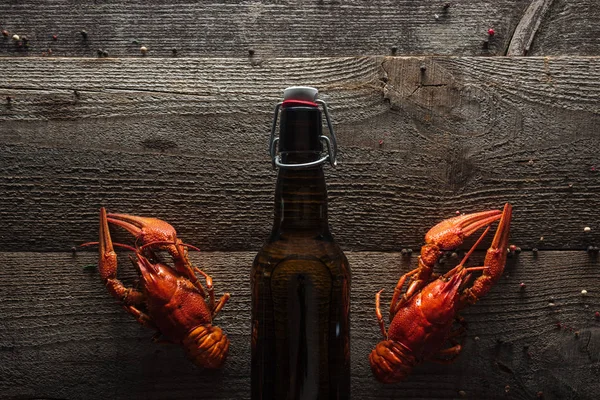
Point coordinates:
[(300, 282), (300, 324)]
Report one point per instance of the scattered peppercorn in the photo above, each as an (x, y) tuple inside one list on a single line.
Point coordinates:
[(83, 34), (54, 37), (144, 50), (16, 37), (491, 32), (5, 33), (250, 52)]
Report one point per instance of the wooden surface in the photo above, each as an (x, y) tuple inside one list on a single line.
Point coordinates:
[(185, 140), (298, 29), (59, 325), (443, 126), (271, 28)]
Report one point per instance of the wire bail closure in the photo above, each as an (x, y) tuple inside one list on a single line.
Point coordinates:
[(331, 144)]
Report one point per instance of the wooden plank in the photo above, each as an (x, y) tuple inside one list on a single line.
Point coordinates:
[(273, 28), (185, 140), (569, 27), (62, 336)]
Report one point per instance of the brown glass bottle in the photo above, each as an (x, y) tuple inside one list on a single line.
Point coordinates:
[(300, 278)]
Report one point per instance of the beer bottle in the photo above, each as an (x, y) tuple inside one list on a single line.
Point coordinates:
[(301, 278)]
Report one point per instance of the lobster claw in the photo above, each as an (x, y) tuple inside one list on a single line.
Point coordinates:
[(147, 230), (494, 262), (162, 235), (451, 232), (107, 262)]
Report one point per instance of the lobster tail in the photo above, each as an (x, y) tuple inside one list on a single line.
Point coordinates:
[(207, 346), (391, 362)]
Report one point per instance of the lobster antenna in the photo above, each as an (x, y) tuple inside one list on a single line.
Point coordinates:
[(125, 246), (466, 257), (169, 242), (472, 249)]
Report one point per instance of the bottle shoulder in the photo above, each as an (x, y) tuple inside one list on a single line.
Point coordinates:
[(307, 248)]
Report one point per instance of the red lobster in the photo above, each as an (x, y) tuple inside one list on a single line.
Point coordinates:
[(422, 320), (171, 299)]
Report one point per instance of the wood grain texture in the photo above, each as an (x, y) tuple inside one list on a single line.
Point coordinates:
[(569, 27), (273, 28), (62, 336), (185, 140)]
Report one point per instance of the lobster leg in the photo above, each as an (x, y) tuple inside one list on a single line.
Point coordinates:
[(220, 304), (141, 317), (378, 313), (211, 293), (395, 304), (107, 266), (495, 260), (447, 356), (209, 288)]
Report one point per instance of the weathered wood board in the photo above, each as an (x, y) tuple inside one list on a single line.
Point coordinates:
[(63, 337), (186, 140), (272, 28), (568, 27), (276, 28)]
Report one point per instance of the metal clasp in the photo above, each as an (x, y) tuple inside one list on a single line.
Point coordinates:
[(331, 144)]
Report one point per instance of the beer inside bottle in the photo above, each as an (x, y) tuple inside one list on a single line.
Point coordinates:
[(300, 278)]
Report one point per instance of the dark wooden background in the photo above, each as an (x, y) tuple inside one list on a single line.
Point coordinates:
[(431, 118)]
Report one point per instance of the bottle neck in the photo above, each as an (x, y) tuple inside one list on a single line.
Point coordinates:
[(301, 194), (301, 202)]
